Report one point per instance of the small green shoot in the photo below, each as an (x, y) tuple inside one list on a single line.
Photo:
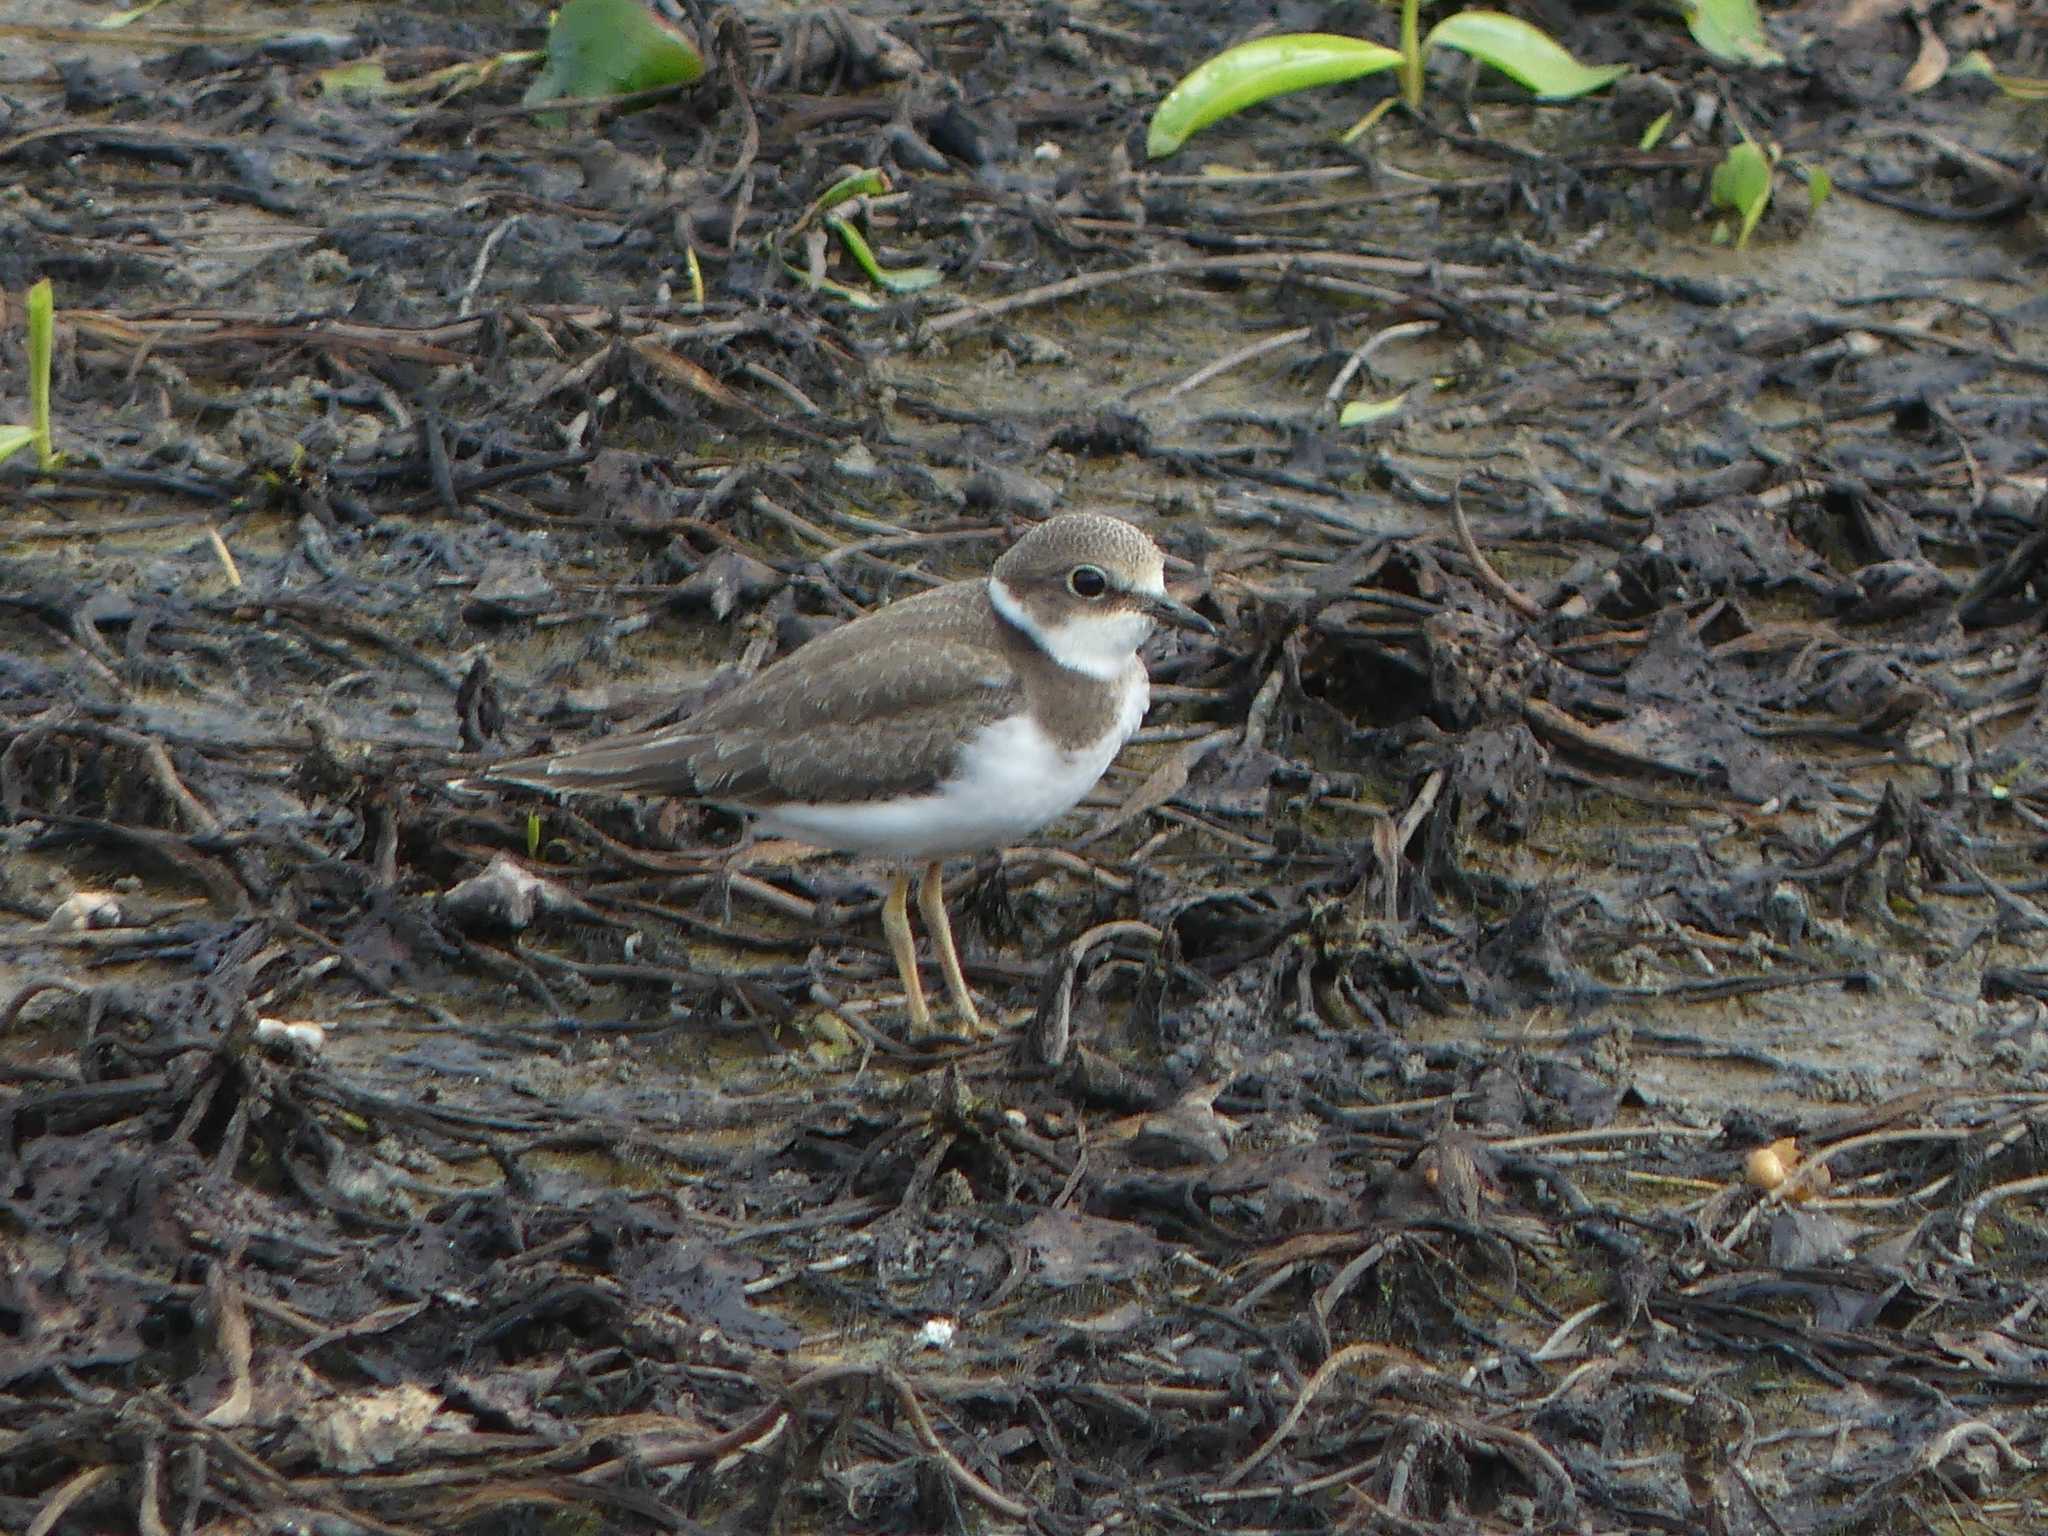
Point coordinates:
[(1527, 55), (1266, 67), (865, 182), (851, 192), (1363, 413), (840, 291), (1257, 71), (1820, 186), (533, 834), (612, 48), (859, 182), (2018, 87), (1654, 134), (1731, 30), (42, 331), (13, 440), (1742, 182), (889, 279), (358, 77), (365, 79), (119, 19)]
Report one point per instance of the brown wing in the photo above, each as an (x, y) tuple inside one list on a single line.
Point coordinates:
[(876, 708)]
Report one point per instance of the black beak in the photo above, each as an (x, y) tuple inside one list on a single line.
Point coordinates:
[(1171, 610)]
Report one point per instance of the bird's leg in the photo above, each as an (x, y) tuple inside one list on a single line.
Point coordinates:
[(896, 924), (931, 901)]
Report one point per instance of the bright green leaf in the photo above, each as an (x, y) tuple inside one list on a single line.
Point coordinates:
[(840, 291), (1256, 71), (612, 48), (42, 335), (1363, 126), (13, 440), (866, 182), (362, 77), (119, 19), (1743, 182), (366, 77), (893, 279), (1359, 413), (1413, 54), (1654, 134), (1524, 53), (1820, 187), (1731, 30)]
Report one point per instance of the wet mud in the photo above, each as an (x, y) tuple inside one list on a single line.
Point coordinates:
[(1546, 1027)]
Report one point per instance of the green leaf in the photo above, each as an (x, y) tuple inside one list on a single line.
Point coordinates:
[(612, 48), (1364, 125), (1654, 134), (13, 440), (1820, 186), (1253, 72), (1731, 30), (365, 78), (1360, 413), (2018, 87), (42, 335), (1413, 54), (1742, 182), (119, 19), (1525, 53), (893, 279), (839, 291), (362, 77), (866, 182)]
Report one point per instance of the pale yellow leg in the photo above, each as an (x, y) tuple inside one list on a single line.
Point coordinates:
[(896, 924), (931, 901)]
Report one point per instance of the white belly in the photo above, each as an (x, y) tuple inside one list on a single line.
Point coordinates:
[(1012, 780)]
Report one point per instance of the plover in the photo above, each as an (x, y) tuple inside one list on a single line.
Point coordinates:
[(962, 719)]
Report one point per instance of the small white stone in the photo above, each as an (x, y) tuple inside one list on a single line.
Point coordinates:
[(83, 910), (291, 1035)]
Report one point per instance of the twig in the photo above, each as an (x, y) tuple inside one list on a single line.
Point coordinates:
[(1250, 261)]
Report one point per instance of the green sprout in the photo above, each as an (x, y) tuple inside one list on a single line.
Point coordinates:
[(2018, 87), (1743, 183), (851, 193), (42, 326), (365, 79), (889, 279), (1731, 30), (42, 331), (1265, 67), (604, 48)]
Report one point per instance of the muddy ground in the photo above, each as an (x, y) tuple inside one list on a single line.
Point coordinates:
[(1624, 753)]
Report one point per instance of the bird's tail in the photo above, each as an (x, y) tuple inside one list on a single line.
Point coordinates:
[(656, 763)]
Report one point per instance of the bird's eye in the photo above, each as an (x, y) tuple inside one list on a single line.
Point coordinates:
[(1087, 581)]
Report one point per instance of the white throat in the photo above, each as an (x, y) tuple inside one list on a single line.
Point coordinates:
[(1097, 645)]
